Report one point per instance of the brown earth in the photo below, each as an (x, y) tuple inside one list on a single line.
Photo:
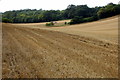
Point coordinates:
[(79, 51)]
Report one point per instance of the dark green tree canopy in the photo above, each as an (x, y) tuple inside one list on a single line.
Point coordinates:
[(109, 10), (34, 16)]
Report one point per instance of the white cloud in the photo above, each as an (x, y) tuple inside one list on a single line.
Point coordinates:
[(6, 5)]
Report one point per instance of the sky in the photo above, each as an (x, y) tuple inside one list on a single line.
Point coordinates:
[(6, 5)]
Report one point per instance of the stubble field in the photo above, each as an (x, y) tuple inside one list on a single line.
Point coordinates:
[(87, 50)]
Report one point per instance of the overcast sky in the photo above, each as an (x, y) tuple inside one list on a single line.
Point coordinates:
[(6, 5)]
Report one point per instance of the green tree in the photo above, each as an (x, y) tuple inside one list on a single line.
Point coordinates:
[(5, 20)]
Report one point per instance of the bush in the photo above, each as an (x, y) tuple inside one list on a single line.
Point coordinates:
[(90, 19), (78, 20), (65, 23), (5, 20), (50, 24)]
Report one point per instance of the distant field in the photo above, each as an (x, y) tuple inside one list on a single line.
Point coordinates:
[(106, 29), (86, 50)]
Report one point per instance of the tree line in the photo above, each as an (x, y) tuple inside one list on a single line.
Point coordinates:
[(78, 14)]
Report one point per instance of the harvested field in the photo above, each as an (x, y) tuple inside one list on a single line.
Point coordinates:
[(79, 51)]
